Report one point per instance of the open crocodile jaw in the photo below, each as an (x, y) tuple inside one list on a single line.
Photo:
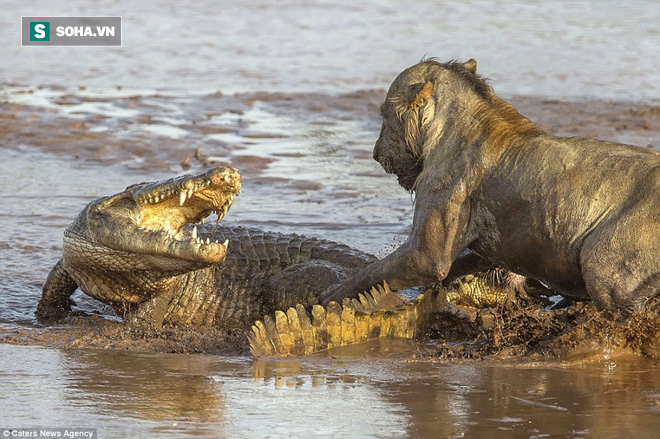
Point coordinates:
[(159, 216)]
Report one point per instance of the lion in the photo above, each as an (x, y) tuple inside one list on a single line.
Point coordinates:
[(492, 189)]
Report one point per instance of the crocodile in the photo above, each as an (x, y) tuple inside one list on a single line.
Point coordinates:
[(148, 253), (380, 312)]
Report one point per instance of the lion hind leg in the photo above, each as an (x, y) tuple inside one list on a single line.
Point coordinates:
[(620, 288), (624, 276), (648, 289)]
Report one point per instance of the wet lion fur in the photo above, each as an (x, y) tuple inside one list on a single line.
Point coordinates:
[(492, 189)]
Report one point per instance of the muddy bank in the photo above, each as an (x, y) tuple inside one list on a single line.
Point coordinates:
[(578, 332), (157, 131), (89, 332), (513, 331)]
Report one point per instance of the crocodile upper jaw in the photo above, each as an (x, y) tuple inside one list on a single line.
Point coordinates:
[(160, 218)]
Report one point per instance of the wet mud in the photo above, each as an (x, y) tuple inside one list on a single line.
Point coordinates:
[(217, 129), (89, 332), (513, 331), (575, 333)]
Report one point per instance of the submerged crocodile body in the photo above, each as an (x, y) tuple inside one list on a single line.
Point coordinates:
[(143, 252), (378, 313)]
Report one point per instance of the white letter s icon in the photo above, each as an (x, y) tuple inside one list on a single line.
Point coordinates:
[(39, 31)]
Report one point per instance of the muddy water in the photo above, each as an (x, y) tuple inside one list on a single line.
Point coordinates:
[(289, 93), (140, 395), (580, 48)]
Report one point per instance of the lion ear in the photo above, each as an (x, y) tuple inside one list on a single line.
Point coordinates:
[(471, 65), (422, 97), (411, 119), (408, 112)]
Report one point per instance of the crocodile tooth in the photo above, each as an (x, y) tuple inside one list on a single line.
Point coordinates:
[(190, 193), (156, 199), (150, 201), (202, 220), (182, 197), (208, 241), (226, 243), (194, 232)]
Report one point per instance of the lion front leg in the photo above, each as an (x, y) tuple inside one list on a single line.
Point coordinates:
[(55, 300), (439, 236), (404, 268)]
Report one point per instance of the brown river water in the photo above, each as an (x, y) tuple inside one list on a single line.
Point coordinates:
[(289, 92)]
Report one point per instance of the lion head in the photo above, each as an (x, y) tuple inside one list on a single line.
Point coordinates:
[(408, 128)]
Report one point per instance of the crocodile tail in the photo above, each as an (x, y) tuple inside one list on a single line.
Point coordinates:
[(379, 313), (487, 289)]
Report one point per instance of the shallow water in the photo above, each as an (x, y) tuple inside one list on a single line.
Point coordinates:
[(79, 123), (139, 395), (578, 48)]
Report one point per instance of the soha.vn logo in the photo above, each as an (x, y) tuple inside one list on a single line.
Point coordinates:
[(39, 31), (71, 31)]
